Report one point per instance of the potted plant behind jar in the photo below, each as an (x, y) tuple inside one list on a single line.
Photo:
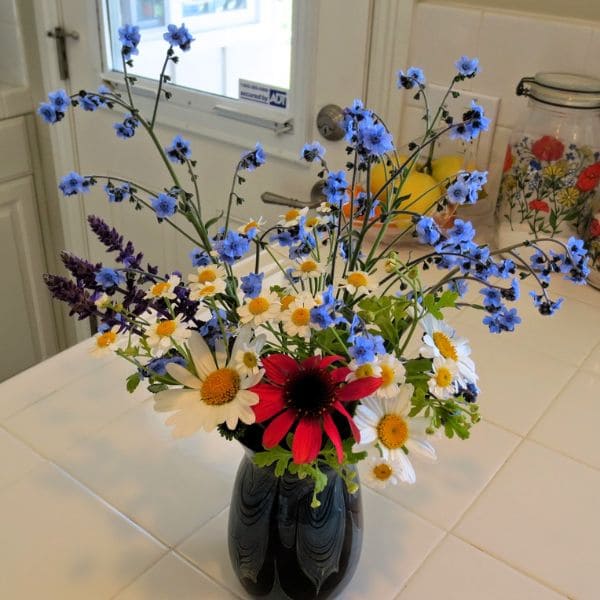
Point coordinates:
[(309, 372)]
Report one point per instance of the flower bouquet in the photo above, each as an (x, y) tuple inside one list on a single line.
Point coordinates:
[(310, 370)]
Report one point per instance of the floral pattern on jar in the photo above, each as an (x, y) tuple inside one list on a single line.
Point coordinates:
[(545, 184)]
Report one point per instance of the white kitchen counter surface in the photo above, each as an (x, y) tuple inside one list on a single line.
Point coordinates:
[(97, 500)]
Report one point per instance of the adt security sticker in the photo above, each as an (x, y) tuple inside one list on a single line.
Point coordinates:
[(263, 94)]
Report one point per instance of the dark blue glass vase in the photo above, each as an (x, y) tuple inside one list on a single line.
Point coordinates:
[(282, 548)]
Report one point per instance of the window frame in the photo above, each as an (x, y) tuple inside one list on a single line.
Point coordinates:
[(239, 122)]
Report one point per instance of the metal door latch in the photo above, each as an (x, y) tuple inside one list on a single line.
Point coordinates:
[(60, 35), (316, 197), (330, 122)]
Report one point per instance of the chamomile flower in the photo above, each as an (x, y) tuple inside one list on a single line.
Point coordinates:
[(296, 319), (392, 373), (440, 341), (214, 391), (313, 221), (443, 381), (325, 208), (164, 289), (259, 310), (201, 291), (360, 370), (379, 472), (285, 300), (103, 302), (207, 281), (292, 216), (386, 425), (308, 267), (164, 332), (109, 341), (247, 356), (251, 227), (358, 282)]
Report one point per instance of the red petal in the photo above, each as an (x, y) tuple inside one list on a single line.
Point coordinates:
[(279, 367), (338, 375), (320, 362), (355, 390), (270, 403), (307, 441), (277, 428), (334, 435), (355, 431)]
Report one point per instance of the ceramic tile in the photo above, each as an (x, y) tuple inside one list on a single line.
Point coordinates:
[(529, 44), (447, 487), (592, 362), (539, 515), (569, 425), (469, 574), (583, 293), (71, 414), (58, 371), (17, 459), (395, 544), (436, 53), (170, 487), (171, 578), (59, 542)]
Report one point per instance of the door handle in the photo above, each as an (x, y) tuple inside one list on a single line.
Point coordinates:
[(316, 197), (330, 122), (60, 35)]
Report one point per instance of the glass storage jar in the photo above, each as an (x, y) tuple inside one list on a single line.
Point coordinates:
[(551, 171)]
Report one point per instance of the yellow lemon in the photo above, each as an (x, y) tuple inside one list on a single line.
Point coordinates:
[(423, 191), (380, 173), (446, 167)]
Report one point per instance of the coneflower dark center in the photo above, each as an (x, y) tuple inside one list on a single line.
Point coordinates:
[(310, 392)]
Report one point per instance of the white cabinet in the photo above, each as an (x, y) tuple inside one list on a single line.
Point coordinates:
[(27, 329)]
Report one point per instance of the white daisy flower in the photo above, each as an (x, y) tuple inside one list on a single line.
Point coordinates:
[(251, 225), (200, 291), (308, 267), (296, 319), (247, 356), (206, 274), (314, 221), (392, 373), (443, 381), (103, 302), (360, 370), (109, 341), (164, 289), (379, 472), (259, 310), (358, 282), (292, 216), (214, 391), (285, 300), (440, 340), (325, 208), (163, 333), (385, 424)]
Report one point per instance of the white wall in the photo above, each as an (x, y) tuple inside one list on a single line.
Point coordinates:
[(509, 45), (12, 58)]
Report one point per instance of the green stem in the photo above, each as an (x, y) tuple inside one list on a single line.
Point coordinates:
[(160, 83)]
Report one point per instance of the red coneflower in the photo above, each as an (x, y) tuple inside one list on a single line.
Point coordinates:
[(307, 392)]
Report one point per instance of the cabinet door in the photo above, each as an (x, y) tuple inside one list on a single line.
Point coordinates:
[(26, 322)]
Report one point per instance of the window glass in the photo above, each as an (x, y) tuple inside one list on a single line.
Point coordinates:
[(235, 40)]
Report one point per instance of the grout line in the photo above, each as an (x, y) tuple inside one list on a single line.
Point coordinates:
[(150, 566)]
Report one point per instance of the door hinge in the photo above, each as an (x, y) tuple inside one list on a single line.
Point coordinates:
[(60, 35)]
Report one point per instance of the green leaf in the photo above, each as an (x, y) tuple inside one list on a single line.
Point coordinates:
[(277, 455), (157, 387), (132, 382)]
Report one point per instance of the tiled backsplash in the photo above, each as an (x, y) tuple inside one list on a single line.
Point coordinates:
[(13, 69), (509, 46)]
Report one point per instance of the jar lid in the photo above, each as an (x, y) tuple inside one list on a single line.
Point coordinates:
[(568, 90)]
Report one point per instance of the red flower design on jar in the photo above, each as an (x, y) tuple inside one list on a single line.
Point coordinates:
[(588, 178), (548, 148), (595, 228), (508, 159), (539, 205)]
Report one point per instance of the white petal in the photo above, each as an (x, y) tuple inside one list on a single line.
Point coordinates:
[(187, 422), (252, 379), (246, 414), (247, 398), (423, 448), (367, 434), (170, 400), (407, 472), (201, 355), (243, 338), (183, 376)]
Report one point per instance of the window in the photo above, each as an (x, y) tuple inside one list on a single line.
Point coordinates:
[(238, 43)]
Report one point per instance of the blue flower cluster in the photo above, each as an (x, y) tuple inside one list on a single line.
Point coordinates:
[(253, 159), (252, 284), (126, 129), (53, 111), (129, 36), (473, 123), (178, 36), (109, 278), (211, 330), (92, 102), (74, 183), (117, 193), (199, 257), (312, 152), (368, 136), (335, 187), (466, 188), (179, 150), (158, 366), (231, 246), (164, 205), (297, 238), (467, 67), (573, 263), (414, 76), (365, 347), (327, 313)]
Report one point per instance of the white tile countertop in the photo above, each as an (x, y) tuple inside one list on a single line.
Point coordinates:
[(97, 501)]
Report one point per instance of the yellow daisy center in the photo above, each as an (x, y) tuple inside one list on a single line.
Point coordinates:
[(258, 305), (206, 275), (357, 279), (308, 266), (220, 387), (443, 377), (207, 290), (365, 370), (444, 345), (106, 339), (300, 316), (312, 222), (250, 360), (158, 289), (249, 226), (166, 328), (286, 301), (292, 214), (392, 431), (387, 375), (382, 472)]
